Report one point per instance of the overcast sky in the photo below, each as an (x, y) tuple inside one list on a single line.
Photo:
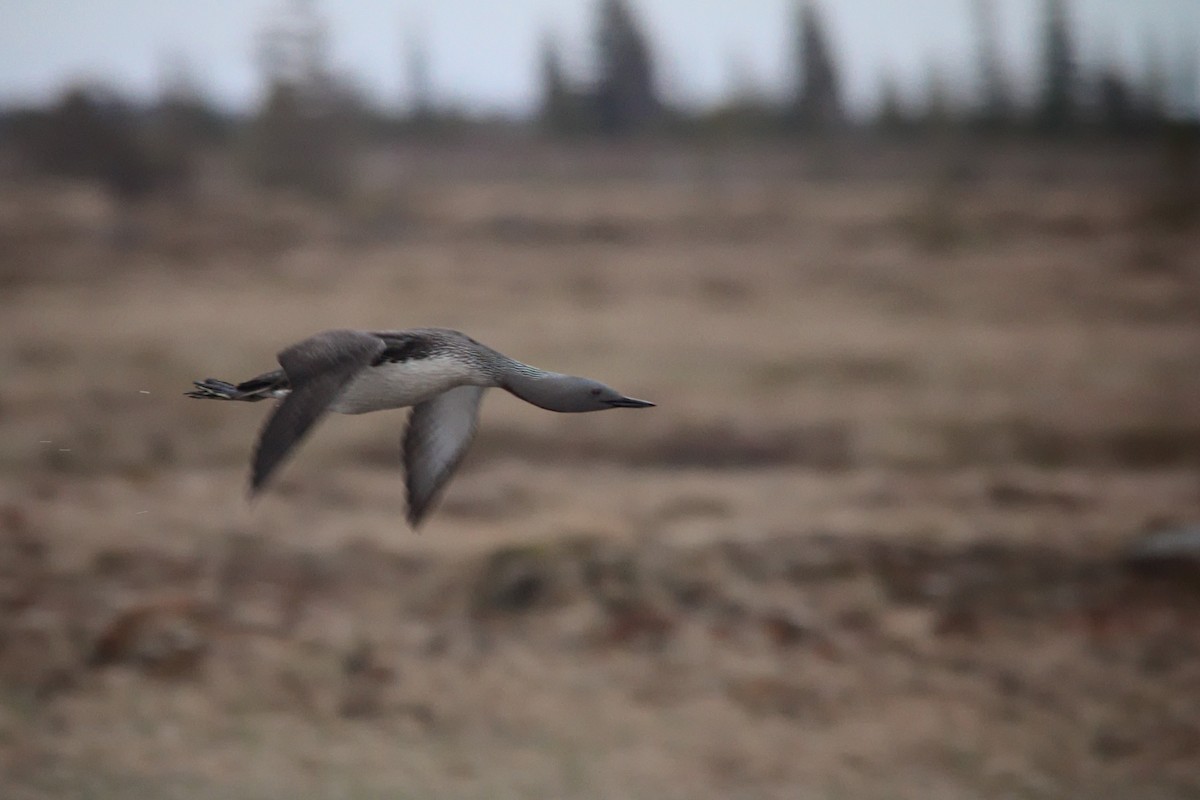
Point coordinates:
[(483, 53)]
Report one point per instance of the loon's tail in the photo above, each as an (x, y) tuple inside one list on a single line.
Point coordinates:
[(268, 385)]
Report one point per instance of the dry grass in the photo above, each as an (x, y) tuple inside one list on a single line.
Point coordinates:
[(869, 545)]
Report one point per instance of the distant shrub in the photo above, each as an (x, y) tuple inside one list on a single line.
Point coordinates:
[(311, 121), (305, 139), (1174, 202), (89, 134)]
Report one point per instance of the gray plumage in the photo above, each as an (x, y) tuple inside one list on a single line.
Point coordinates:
[(442, 374)]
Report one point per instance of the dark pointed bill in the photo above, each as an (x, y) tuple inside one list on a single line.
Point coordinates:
[(629, 402)]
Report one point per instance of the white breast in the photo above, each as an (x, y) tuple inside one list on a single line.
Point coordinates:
[(404, 384)]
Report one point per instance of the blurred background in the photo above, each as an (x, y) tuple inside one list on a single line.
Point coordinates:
[(916, 287)]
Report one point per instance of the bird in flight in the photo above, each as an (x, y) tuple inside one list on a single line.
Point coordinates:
[(442, 374)]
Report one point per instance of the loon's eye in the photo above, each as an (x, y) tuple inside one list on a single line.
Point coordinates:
[(595, 392)]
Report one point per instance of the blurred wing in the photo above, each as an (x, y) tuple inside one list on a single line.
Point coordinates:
[(318, 369), (439, 432)]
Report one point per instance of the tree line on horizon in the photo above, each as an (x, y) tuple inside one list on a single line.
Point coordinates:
[(624, 98), (311, 120)]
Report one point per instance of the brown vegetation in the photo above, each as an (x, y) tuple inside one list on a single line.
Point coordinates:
[(872, 543)]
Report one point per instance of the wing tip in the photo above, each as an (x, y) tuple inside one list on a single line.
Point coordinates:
[(416, 512)]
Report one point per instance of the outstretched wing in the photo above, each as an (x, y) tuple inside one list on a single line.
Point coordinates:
[(439, 432), (318, 369)]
